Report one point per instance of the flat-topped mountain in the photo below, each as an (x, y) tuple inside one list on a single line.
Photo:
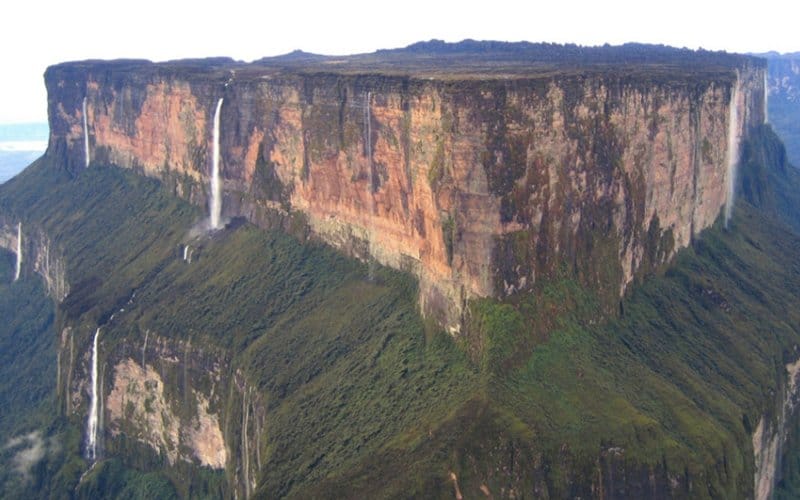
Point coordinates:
[(429, 159), (476, 269), (473, 59)]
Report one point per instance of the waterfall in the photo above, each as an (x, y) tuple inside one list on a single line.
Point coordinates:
[(85, 134), (371, 188), (733, 150), (144, 349), (91, 427), (368, 119), (245, 440), (215, 208), (368, 141), (19, 251), (185, 252)]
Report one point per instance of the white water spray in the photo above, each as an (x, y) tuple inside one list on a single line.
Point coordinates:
[(144, 349), (733, 151), (91, 427), (19, 251), (215, 207), (85, 134)]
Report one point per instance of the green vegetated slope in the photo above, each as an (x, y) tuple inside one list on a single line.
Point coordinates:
[(365, 398), (97, 222), (675, 385), (27, 347), (345, 361), (27, 373)]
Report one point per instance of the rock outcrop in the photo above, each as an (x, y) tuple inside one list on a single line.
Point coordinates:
[(39, 256), (164, 394), (771, 435), (478, 184)]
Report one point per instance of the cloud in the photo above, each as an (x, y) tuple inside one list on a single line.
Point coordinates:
[(32, 450)]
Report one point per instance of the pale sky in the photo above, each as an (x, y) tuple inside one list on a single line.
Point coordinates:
[(37, 33)]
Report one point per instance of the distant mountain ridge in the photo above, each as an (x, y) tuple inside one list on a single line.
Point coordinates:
[(784, 100)]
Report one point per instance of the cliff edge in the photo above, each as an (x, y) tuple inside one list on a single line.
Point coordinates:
[(479, 167)]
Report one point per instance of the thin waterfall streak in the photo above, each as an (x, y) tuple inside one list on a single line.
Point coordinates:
[(100, 407), (733, 151), (369, 153), (371, 188), (369, 138), (216, 190), (18, 270), (85, 135), (245, 437), (91, 452)]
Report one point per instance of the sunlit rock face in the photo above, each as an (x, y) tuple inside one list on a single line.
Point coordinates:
[(138, 404), (479, 184), (164, 394)]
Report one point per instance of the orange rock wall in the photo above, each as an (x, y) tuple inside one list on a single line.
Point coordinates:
[(479, 188)]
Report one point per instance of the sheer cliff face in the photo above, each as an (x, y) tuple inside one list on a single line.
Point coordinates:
[(772, 433), (164, 394), (39, 255), (478, 187)]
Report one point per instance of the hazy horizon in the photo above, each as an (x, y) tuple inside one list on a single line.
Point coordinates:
[(20, 145)]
